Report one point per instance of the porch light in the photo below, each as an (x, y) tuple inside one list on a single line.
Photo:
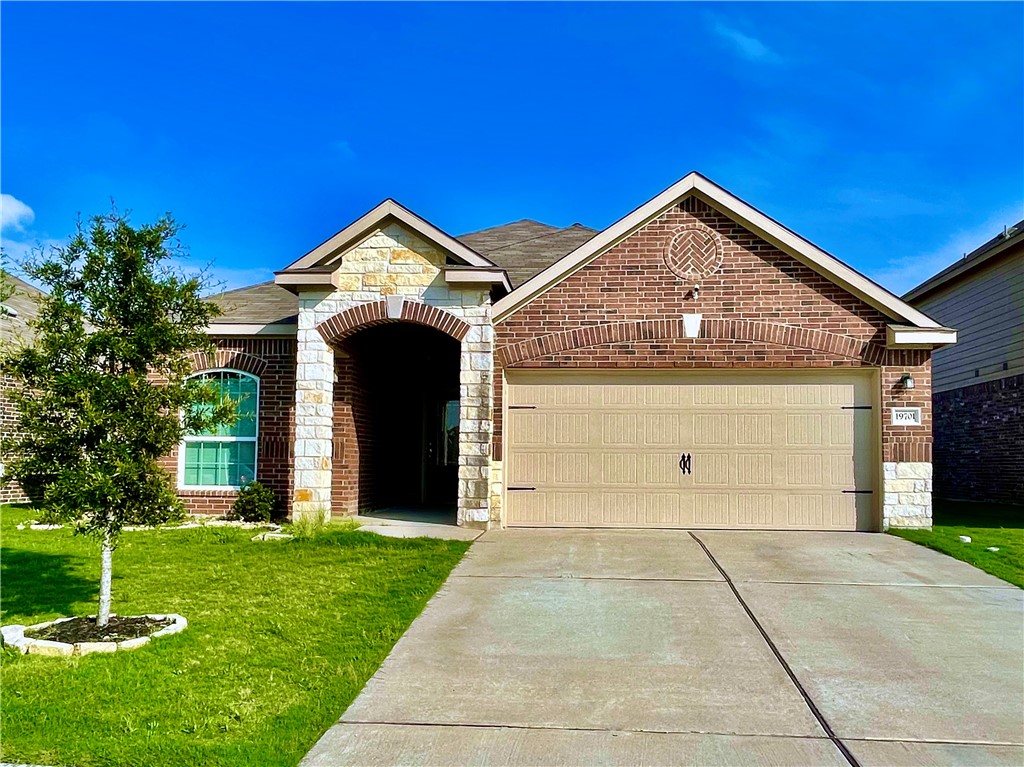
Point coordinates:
[(907, 381)]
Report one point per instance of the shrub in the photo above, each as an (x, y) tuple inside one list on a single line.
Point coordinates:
[(255, 503)]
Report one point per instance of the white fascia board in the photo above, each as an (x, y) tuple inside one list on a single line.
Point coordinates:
[(252, 329), (897, 337), (477, 277), (372, 220), (771, 230)]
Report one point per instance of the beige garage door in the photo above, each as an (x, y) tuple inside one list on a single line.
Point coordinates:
[(762, 451)]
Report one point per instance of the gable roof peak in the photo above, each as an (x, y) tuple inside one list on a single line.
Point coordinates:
[(698, 185)]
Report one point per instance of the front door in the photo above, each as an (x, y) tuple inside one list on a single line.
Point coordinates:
[(440, 452)]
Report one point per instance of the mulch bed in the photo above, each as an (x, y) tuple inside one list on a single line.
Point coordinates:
[(86, 630)]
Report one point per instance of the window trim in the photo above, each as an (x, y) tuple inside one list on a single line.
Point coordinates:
[(198, 438)]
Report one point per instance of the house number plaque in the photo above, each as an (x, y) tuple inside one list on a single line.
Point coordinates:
[(906, 416)]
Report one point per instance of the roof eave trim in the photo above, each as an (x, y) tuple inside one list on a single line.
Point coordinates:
[(373, 220), (296, 281), (778, 235), (477, 277), (905, 337)]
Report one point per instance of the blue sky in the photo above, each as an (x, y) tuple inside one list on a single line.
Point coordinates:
[(892, 135)]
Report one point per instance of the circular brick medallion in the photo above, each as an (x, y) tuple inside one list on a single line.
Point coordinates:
[(694, 252)]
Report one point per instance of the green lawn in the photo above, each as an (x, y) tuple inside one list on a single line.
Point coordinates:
[(987, 524), (281, 638)]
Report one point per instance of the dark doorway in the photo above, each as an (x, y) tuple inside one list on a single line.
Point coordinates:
[(401, 381)]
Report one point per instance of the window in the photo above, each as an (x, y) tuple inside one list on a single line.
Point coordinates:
[(224, 457)]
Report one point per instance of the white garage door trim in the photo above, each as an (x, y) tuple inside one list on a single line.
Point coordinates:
[(614, 440)]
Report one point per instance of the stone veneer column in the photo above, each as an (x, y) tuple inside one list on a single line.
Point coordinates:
[(314, 394), (475, 421), (908, 494)]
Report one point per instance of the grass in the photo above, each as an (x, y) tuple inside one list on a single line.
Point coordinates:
[(281, 638), (987, 524)]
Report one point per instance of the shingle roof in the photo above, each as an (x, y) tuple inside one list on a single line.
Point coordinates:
[(261, 304), (526, 247), (19, 309), (521, 248)]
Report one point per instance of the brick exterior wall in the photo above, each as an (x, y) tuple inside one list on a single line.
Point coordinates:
[(979, 442), (759, 292), (272, 360), (761, 309), (10, 492)]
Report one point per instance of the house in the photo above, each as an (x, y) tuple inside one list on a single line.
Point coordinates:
[(15, 313), (695, 364), (978, 385)]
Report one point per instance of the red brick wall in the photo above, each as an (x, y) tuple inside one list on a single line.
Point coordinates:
[(352, 480), (756, 282), (273, 359), (9, 492), (979, 442)]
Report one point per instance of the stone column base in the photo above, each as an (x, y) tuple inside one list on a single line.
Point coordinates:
[(907, 500)]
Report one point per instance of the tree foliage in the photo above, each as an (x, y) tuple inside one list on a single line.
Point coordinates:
[(105, 388)]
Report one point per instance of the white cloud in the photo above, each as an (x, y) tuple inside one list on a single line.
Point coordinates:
[(14, 214), (900, 275), (747, 46)]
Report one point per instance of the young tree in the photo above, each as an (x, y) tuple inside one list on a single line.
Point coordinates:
[(105, 388)]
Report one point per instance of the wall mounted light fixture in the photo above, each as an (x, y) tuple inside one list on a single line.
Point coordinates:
[(907, 381)]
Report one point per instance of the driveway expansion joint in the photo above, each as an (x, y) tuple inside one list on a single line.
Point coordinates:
[(822, 722), (556, 728)]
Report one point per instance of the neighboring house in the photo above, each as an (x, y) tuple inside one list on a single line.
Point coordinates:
[(978, 384), (696, 364), (15, 314)]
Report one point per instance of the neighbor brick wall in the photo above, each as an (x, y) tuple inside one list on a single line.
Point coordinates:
[(273, 360), (749, 308), (979, 442), (9, 492)]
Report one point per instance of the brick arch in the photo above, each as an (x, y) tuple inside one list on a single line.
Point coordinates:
[(659, 330), (350, 321), (229, 358)]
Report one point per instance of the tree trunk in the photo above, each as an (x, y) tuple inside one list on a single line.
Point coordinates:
[(103, 616)]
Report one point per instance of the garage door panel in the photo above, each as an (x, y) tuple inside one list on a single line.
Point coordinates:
[(766, 455), (752, 429), (528, 467)]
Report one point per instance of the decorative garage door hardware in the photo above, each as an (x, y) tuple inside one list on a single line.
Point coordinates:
[(856, 407), (522, 407), (865, 492), (685, 464), (522, 488)]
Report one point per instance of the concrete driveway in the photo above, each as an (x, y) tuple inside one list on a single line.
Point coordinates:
[(719, 648)]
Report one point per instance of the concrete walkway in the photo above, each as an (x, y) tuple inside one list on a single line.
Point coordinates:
[(720, 648)]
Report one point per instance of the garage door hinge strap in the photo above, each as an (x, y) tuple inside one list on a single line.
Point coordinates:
[(522, 488), (857, 407), (522, 407), (858, 491)]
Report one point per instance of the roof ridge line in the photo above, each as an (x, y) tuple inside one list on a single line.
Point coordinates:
[(538, 237)]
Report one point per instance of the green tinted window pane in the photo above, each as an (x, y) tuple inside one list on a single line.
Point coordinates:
[(243, 467), (243, 390), (220, 464)]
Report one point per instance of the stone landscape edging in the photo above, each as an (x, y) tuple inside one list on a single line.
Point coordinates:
[(14, 636)]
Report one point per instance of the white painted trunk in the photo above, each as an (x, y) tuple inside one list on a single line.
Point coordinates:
[(103, 616)]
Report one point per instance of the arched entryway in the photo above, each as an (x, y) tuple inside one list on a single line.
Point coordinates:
[(396, 420)]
